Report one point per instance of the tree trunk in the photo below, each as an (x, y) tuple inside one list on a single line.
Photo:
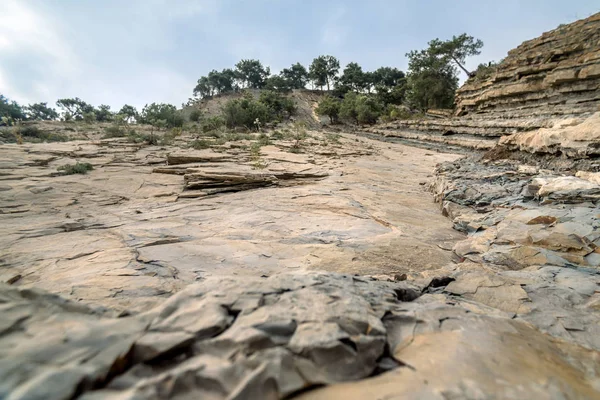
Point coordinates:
[(461, 67)]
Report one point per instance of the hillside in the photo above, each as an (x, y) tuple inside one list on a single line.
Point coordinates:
[(305, 100)]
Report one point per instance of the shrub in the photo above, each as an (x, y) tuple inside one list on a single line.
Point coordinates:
[(330, 107), (280, 106), (212, 123), (361, 109), (200, 144), (89, 117), (78, 168), (114, 131), (153, 113), (245, 112), (195, 115)]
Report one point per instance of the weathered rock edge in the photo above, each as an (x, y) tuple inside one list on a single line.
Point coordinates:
[(270, 338)]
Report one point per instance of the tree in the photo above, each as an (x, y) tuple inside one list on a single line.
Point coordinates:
[(457, 49), (296, 75), (10, 111), (252, 74), (203, 88), (75, 108), (362, 109), (103, 113), (278, 83), (323, 70), (388, 77), (41, 111), (129, 112), (348, 107), (432, 80), (159, 114), (353, 77), (329, 106)]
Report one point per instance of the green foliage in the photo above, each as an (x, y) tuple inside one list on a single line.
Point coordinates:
[(103, 113), (485, 70), (195, 115), (212, 123), (296, 76), (10, 111), (278, 83), (279, 106), (252, 74), (329, 106), (129, 112), (354, 78), (362, 109), (78, 168), (74, 108), (432, 81), (250, 113), (89, 117), (115, 131), (456, 50), (161, 115), (41, 112), (323, 70), (348, 107), (200, 144), (245, 112)]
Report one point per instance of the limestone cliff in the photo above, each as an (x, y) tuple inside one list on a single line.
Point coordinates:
[(553, 75), (548, 82)]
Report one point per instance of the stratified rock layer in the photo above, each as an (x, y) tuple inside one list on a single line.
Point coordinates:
[(556, 74), (540, 99)]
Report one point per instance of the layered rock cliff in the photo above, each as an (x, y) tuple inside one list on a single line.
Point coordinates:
[(550, 82)]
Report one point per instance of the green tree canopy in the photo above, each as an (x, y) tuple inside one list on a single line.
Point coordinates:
[(129, 112), (323, 71), (103, 113), (252, 74), (10, 111), (353, 77), (432, 80), (296, 75), (41, 112), (329, 106), (278, 83), (74, 108), (456, 49), (160, 114)]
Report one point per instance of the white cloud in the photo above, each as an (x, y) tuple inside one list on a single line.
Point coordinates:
[(25, 32)]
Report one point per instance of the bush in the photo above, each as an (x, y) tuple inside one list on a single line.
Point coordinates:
[(280, 107), (78, 168), (200, 144), (153, 113), (114, 131), (330, 107), (195, 115), (212, 123), (89, 117), (34, 134), (245, 112), (361, 109)]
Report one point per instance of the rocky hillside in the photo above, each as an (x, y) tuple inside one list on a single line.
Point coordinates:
[(305, 100), (550, 82)]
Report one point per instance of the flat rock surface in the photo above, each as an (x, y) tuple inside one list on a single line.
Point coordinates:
[(149, 220)]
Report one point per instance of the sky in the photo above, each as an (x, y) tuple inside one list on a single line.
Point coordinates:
[(135, 52)]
